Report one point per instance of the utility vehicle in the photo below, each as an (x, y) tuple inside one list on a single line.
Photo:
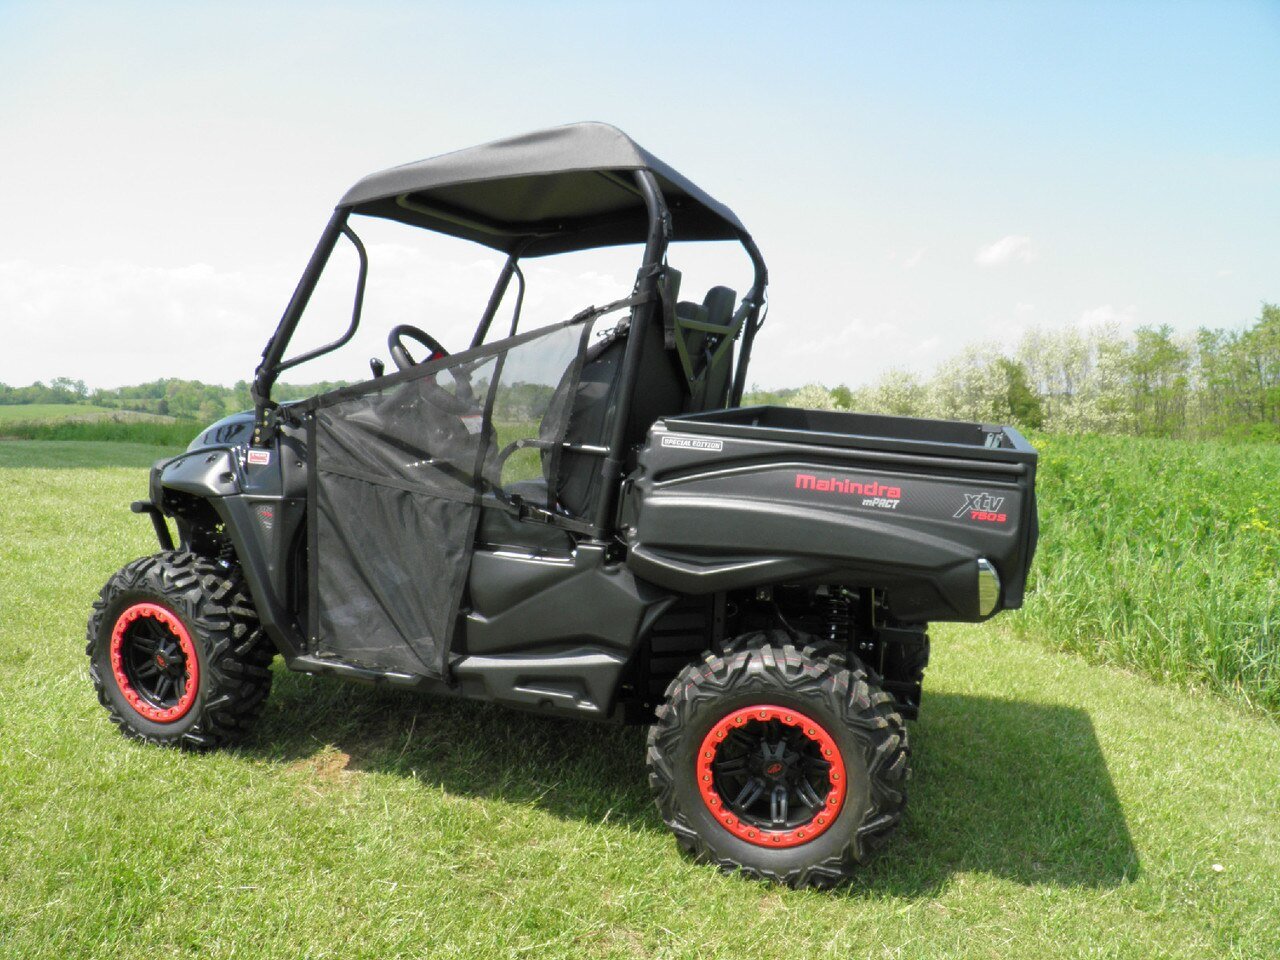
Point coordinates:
[(580, 520)]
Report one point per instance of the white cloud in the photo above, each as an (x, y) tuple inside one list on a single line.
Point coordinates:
[(114, 322), (913, 261), (908, 260), (823, 346), (927, 346), (1106, 315), (1014, 248)]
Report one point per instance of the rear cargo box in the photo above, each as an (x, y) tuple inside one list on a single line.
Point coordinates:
[(939, 514)]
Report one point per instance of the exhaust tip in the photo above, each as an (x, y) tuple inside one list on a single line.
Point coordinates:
[(988, 588)]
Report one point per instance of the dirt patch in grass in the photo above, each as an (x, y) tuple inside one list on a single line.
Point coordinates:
[(616, 942), (327, 769)]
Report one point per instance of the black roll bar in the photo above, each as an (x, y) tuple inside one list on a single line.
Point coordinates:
[(357, 307), (515, 313), (495, 298), (642, 314), (269, 368), (657, 239), (756, 294)]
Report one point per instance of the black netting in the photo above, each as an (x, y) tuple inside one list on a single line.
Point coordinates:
[(400, 468), (530, 413)]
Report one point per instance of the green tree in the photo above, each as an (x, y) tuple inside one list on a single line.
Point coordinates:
[(1024, 405), (1157, 370)]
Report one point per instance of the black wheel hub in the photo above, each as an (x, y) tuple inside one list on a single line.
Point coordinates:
[(154, 663), (771, 775)]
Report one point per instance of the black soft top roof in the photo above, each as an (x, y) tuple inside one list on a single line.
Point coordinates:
[(551, 191)]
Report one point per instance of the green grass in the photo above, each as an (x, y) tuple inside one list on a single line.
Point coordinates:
[(84, 421), (1163, 556), (42, 412), (31, 412), (1059, 809), (176, 433)]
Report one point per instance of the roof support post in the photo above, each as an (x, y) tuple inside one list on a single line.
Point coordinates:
[(495, 299), (642, 314), (265, 376), (756, 295)]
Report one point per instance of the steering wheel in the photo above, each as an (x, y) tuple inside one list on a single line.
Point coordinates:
[(400, 355)]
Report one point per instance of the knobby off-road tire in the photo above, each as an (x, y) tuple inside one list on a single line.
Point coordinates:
[(903, 664), (187, 617), (822, 702)]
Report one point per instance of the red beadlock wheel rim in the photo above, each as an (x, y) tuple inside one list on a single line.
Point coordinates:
[(771, 776), (154, 662)]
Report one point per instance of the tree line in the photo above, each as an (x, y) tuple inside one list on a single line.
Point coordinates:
[(1152, 382), (183, 399)]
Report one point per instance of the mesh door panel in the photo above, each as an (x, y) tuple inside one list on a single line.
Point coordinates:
[(400, 468)]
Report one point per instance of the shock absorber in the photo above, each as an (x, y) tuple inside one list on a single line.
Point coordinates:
[(226, 550), (835, 608)]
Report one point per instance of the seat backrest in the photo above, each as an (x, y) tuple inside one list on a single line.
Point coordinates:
[(659, 392), (691, 378), (704, 341)]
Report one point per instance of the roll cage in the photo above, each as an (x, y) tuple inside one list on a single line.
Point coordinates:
[(565, 189)]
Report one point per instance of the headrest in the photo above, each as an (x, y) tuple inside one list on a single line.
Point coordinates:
[(719, 302)]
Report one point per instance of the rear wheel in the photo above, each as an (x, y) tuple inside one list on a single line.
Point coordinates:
[(176, 654), (783, 762)]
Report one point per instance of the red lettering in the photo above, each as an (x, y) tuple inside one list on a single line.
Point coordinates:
[(873, 488), (988, 517)]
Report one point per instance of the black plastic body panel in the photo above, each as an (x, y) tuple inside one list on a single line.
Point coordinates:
[(260, 504), (543, 633), (756, 496), (522, 602), (864, 431)]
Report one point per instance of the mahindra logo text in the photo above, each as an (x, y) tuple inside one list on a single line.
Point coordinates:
[(982, 507), (873, 492)]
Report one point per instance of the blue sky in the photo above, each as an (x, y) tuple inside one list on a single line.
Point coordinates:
[(919, 175)]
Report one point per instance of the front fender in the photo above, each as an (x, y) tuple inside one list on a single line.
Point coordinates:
[(204, 473), (217, 487)]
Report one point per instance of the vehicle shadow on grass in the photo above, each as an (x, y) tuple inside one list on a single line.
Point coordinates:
[(1014, 789)]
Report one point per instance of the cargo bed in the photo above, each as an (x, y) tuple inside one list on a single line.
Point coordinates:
[(939, 515)]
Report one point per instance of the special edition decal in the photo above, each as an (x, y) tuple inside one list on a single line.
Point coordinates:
[(982, 507), (692, 443), (873, 492)]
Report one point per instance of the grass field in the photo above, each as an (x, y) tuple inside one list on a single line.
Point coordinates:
[(46, 412), (1164, 556), (64, 421), (1059, 809), (85, 421), (32, 412)]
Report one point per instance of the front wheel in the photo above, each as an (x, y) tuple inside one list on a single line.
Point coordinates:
[(176, 654), (785, 763)]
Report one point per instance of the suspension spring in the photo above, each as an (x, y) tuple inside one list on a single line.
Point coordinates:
[(836, 611)]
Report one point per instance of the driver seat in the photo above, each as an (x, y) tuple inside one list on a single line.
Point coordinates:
[(660, 391)]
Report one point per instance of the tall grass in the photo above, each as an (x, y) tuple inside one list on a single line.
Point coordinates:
[(1162, 556), (176, 433)]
